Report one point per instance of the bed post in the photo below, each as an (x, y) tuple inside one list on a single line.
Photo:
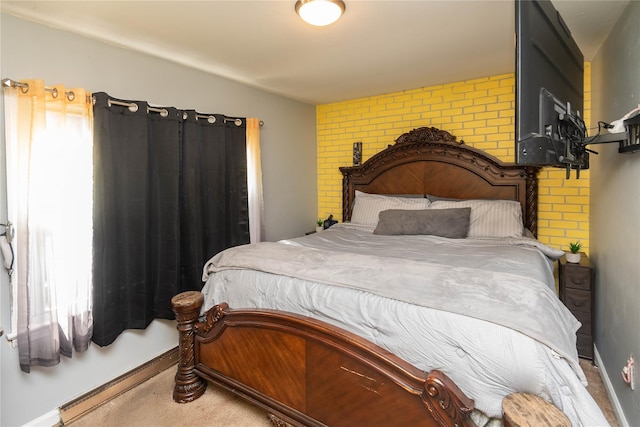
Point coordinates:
[(347, 203), (189, 386), (531, 216)]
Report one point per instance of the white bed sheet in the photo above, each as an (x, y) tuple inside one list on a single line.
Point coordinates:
[(487, 361)]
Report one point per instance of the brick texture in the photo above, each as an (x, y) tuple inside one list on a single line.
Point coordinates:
[(481, 112)]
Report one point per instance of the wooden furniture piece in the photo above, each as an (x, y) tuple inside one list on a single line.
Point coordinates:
[(527, 410), (576, 288), (430, 161), (307, 372)]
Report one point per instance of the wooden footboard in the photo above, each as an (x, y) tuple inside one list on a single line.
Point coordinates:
[(307, 372)]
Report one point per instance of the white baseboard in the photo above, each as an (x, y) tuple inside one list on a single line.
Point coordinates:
[(51, 418), (609, 387)]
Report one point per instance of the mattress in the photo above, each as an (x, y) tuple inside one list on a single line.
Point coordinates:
[(483, 311)]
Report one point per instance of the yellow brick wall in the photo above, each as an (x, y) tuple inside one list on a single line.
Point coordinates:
[(481, 112)]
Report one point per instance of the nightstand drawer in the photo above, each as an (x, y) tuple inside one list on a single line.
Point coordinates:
[(584, 346), (577, 300), (578, 278), (584, 318)]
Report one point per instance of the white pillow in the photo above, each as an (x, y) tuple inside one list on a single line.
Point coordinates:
[(367, 207), (489, 218)]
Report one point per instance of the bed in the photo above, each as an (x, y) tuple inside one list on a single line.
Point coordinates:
[(427, 305)]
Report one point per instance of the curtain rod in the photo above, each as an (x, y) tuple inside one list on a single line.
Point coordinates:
[(24, 87), (133, 107)]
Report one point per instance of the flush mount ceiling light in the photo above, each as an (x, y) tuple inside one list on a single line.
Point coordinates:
[(320, 12)]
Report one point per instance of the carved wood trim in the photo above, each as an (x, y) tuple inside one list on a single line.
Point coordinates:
[(442, 403), (211, 318), (188, 385), (426, 134), (531, 216)]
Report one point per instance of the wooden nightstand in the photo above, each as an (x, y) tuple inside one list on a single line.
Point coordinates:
[(577, 292)]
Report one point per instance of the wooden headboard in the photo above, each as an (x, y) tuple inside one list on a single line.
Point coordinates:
[(430, 161)]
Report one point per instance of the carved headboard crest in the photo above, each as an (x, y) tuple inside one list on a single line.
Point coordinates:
[(426, 134)]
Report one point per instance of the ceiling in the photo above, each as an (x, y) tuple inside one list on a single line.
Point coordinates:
[(377, 47)]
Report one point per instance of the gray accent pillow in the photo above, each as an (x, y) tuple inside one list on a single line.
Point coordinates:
[(452, 223)]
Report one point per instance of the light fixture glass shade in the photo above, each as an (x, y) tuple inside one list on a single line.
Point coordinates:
[(320, 12)]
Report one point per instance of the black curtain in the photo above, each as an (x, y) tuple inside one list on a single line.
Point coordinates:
[(170, 191)]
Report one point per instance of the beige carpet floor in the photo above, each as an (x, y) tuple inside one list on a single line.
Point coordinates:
[(151, 404), (597, 390)]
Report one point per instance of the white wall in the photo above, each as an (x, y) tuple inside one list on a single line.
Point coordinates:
[(288, 139), (615, 212)]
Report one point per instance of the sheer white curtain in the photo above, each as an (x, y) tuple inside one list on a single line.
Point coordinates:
[(254, 181), (49, 200)]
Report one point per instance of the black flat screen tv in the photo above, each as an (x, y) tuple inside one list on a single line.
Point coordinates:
[(549, 89)]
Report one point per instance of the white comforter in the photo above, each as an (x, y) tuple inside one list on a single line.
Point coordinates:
[(483, 311)]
